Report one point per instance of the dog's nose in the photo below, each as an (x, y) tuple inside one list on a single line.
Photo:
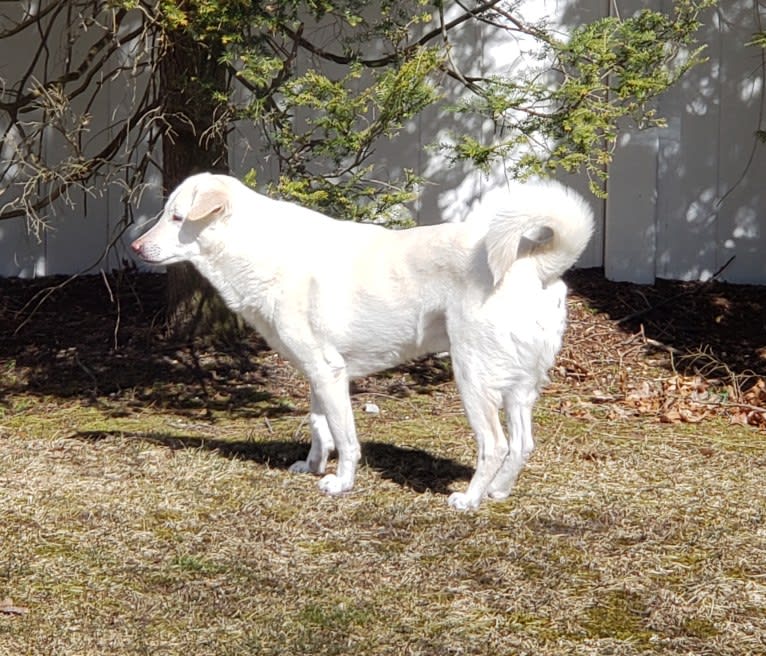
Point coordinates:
[(137, 247)]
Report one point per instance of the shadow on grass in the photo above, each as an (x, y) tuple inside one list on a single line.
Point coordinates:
[(415, 469)]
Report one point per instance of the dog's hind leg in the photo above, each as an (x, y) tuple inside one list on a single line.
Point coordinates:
[(333, 402), (482, 411), (518, 411), (322, 443)]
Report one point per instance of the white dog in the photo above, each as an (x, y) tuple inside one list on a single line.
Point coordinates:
[(341, 299)]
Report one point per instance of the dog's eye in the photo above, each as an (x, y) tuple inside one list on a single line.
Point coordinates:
[(177, 218)]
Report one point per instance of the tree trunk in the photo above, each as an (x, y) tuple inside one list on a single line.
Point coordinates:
[(190, 73)]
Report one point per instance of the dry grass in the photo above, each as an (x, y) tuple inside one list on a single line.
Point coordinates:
[(130, 526)]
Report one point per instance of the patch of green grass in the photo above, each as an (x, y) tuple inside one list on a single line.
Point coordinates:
[(619, 615), (699, 627)]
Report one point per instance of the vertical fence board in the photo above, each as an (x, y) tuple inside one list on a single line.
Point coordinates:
[(741, 190), (630, 232)]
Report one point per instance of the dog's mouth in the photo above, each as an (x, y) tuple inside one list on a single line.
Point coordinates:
[(148, 253)]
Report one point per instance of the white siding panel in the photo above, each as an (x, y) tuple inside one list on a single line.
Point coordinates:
[(687, 180), (630, 238), (83, 224), (742, 159), (567, 15)]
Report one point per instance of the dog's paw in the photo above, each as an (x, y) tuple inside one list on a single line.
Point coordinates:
[(300, 467), (499, 494), (462, 501), (332, 484), (499, 490)]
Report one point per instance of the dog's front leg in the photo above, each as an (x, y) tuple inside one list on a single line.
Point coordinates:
[(333, 401), (322, 443)]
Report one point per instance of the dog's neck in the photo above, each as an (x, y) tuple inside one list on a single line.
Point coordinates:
[(246, 289)]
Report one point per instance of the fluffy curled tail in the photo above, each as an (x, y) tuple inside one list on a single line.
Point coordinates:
[(547, 222)]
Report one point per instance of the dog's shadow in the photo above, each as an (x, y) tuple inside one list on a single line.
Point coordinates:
[(415, 469)]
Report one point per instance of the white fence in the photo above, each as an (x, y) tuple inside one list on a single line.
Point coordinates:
[(686, 199), (683, 200)]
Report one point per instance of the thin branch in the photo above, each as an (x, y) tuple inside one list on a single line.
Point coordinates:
[(33, 19), (89, 167), (387, 60)]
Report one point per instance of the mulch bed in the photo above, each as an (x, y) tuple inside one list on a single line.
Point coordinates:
[(682, 351)]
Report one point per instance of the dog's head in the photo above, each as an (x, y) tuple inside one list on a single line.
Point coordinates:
[(191, 211)]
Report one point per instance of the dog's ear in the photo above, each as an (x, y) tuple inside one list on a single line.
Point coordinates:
[(210, 199), (533, 239)]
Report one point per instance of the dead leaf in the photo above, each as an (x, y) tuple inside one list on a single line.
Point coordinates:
[(671, 416), (7, 607), (601, 397)]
